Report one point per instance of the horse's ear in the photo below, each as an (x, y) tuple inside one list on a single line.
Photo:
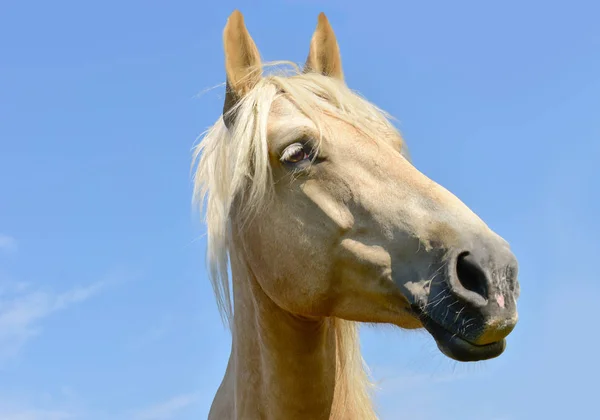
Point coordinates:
[(242, 63), (324, 54)]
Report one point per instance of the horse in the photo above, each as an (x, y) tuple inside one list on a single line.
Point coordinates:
[(317, 220)]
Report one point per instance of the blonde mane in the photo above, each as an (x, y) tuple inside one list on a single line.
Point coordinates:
[(233, 164)]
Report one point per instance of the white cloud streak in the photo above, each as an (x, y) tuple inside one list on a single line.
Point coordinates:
[(167, 409), (33, 414), (7, 243), (152, 335), (22, 311), (59, 405)]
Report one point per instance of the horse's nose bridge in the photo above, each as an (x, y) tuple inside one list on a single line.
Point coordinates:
[(504, 273)]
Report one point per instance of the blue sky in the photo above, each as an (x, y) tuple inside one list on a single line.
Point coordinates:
[(105, 310)]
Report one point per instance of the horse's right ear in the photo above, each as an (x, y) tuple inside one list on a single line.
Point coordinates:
[(242, 64)]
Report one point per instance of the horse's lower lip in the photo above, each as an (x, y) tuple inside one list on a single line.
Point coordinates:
[(458, 348)]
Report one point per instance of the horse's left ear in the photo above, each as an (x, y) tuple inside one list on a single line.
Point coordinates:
[(242, 63), (324, 54)]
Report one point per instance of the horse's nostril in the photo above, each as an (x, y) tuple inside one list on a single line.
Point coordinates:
[(470, 275)]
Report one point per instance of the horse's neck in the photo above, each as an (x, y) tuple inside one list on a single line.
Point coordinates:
[(282, 366)]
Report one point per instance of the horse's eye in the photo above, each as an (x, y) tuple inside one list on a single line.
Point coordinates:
[(295, 153)]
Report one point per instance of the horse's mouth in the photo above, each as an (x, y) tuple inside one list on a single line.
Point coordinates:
[(456, 347)]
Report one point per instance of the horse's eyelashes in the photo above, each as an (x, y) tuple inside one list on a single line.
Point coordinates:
[(296, 153)]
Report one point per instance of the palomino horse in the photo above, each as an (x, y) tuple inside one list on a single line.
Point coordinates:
[(313, 205)]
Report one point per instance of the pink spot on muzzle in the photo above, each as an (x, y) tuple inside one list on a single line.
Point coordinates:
[(500, 300)]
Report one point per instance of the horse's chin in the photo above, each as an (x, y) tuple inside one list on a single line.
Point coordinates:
[(458, 348)]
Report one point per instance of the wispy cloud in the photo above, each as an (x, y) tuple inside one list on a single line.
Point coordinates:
[(153, 334), (33, 414), (395, 383), (167, 409), (55, 404), (7, 243), (23, 308), (420, 392)]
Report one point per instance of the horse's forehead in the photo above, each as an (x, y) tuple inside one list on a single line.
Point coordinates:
[(285, 118), (282, 107)]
